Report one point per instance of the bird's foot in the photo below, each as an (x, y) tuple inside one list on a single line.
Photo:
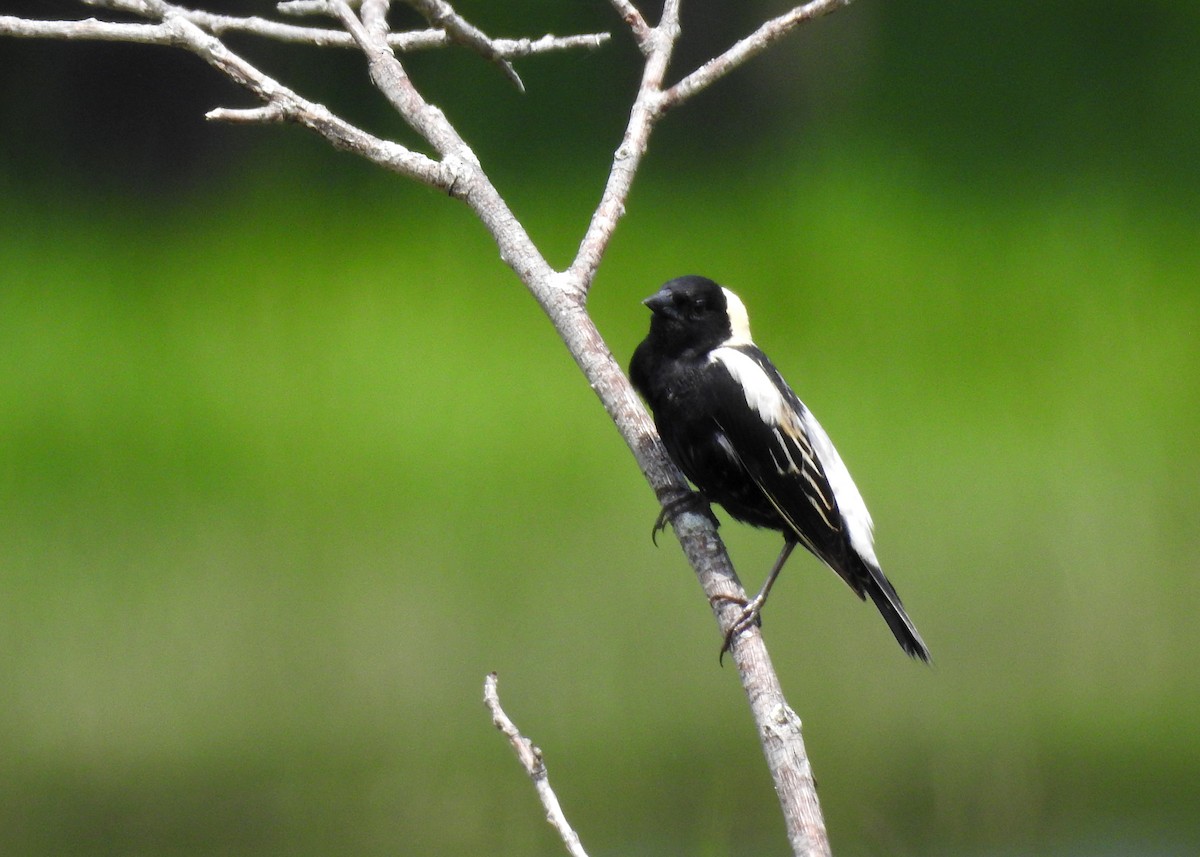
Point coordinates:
[(751, 617), (687, 501)]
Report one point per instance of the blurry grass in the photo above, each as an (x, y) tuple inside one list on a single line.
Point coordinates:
[(285, 474)]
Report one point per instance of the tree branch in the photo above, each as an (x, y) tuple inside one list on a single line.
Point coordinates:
[(636, 23), (89, 29), (287, 104), (468, 180), (657, 45), (653, 102), (248, 115), (751, 46), (530, 756), (92, 29), (442, 16)]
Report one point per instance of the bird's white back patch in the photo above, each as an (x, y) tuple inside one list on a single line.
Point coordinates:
[(739, 319), (859, 526), (757, 386)]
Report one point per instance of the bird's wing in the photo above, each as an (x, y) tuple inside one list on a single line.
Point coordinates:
[(790, 458)]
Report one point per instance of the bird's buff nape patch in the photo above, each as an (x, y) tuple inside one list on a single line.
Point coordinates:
[(739, 319)]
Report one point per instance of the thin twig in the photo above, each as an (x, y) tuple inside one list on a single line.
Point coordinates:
[(751, 46), (267, 114), (531, 760), (321, 37), (89, 29), (174, 29), (281, 103), (392, 80), (405, 42), (304, 8), (441, 15), (658, 45)]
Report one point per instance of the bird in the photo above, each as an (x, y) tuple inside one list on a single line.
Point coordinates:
[(744, 439)]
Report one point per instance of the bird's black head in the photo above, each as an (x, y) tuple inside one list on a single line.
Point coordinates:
[(694, 314)]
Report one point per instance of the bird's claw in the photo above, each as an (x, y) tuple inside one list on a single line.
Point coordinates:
[(692, 501), (660, 524), (751, 617)]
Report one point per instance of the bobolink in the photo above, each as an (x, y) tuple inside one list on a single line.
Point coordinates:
[(746, 441)]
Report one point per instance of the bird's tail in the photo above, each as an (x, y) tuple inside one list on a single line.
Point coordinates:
[(884, 595)]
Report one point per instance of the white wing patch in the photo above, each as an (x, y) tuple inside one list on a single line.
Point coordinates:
[(757, 386), (859, 525), (764, 397)]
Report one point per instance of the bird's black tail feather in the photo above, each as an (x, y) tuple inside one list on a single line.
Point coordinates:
[(884, 595)]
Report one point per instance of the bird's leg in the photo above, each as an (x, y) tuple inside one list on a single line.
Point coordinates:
[(692, 501), (752, 609)]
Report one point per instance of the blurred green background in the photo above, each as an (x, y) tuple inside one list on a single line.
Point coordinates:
[(289, 460)]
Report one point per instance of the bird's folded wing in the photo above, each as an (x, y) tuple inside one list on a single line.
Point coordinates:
[(767, 429)]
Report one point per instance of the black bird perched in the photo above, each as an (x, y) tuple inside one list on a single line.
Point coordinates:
[(746, 441)]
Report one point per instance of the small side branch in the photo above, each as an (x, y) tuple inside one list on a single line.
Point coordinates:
[(93, 29), (441, 15), (279, 102), (653, 101), (751, 46), (248, 115), (634, 20), (531, 760), (657, 45), (89, 29)]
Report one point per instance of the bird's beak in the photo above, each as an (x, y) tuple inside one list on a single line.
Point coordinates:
[(659, 301)]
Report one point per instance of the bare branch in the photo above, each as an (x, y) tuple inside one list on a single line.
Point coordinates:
[(374, 16), (304, 8), (633, 18), (751, 46), (517, 48), (175, 29), (782, 742), (92, 29), (531, 760), (248, 115), (441, 15), (652, 101), (89, 29), (145, 8), (467, 181), (658, 45), (393, 81), (279, 31)]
